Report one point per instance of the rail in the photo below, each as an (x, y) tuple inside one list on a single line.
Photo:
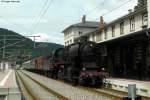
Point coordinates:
[(31, 94)]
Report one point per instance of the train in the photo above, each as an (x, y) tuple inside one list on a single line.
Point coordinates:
[(77, 64)]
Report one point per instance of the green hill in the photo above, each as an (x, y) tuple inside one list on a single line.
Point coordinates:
[(13, 45), (44, 48), (17, 48)]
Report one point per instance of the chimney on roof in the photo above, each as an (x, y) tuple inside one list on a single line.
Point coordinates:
[(101, 24), (135, 8), (84, 19), (130, 10)]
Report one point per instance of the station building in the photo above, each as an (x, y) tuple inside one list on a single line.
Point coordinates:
[(124, 43), (75, 31)]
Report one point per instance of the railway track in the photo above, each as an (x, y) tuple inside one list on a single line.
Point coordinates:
[(33, 90), (123, 93), (84, 91), (107, 93), (113, 94), (75, 93), (23, 88)]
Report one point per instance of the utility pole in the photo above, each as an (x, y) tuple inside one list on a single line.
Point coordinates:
[(4, 43), (34, 38), (3, 57), (4, 40)]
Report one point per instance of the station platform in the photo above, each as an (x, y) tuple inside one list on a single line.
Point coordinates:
[(143, 87), (9, 89)]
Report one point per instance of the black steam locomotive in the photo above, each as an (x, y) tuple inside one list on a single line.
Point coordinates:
[(78, 64)]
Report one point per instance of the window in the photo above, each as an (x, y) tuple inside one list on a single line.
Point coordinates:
[(113, 30), (93, 37), (144, 20), (67, 34), (70, 41), (80, 33), (106, 35), (121, 28), (132, 24), (100, 36)]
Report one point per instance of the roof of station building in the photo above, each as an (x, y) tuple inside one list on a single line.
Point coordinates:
[(86, 24)]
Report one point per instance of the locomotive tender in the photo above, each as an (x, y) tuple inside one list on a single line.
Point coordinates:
[(77, 63)]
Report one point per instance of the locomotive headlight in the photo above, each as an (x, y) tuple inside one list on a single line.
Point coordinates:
[(83, 68)]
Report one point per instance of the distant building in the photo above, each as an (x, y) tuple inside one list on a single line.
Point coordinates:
[(5, 65), (73, 32)]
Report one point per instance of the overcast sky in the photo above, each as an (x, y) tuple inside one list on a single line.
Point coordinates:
[(23, 17)]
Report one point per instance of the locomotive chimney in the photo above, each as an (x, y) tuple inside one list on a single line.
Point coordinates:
[(84, 19), (101, 24)]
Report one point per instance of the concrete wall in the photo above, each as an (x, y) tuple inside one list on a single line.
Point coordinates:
[(143, 88), (10, 94)]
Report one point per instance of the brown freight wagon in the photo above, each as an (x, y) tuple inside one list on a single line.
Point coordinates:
[(42, 63)]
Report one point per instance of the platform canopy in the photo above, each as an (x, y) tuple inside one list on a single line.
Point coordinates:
[(14, 46)]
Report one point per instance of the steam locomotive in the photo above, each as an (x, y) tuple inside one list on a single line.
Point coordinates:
[(77, 63)]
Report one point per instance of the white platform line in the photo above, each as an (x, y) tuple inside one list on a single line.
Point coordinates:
[(5, 78)]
